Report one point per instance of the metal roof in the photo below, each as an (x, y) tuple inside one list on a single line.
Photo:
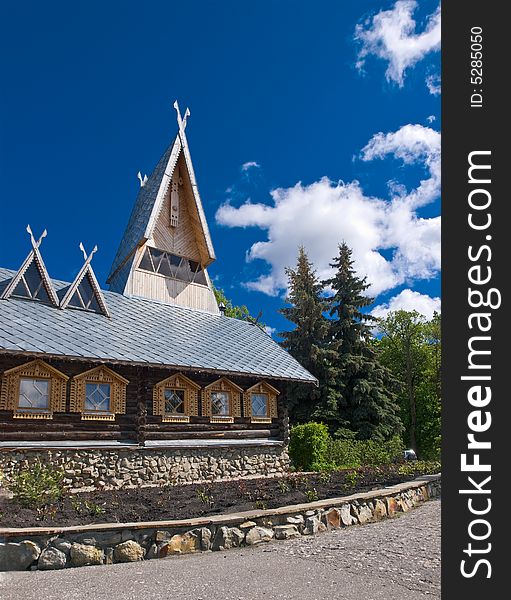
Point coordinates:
[(146, 332)]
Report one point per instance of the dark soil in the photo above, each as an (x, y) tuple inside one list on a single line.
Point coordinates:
[(199, 500)]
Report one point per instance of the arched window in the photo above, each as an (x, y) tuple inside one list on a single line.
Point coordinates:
[(176, 399), (34, 390)]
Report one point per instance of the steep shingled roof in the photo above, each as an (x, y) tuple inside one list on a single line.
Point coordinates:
[(144, 332)]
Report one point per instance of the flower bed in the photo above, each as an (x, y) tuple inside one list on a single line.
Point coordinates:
[(201, 500)]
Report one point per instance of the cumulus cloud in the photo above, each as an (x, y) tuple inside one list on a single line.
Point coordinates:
[(251, 164), (431, 118), (391, 35), (409, 300), (321, 215)]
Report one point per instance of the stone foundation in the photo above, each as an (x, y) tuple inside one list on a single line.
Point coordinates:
[(112, 468), (58, 548)]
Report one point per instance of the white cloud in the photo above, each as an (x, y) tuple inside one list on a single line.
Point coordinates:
[(409, 300), (431, 118), (321, 215), (251, 164), (391, 35), (434, 83), (269, 330), (413, 144)]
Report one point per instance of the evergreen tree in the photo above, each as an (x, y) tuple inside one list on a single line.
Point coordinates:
[(310, 343), (366, 388)]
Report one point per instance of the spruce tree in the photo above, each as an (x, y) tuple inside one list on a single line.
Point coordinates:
[(366, 388), (310, 343)]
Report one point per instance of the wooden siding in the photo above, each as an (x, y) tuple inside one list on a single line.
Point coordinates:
[(172, 291), (183, 239)]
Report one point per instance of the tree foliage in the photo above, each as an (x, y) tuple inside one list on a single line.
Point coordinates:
[(410, 347), (311, 344), (355, 392), (235, 311), (366, 388)]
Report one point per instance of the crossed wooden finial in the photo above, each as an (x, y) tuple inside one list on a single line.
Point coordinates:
[(87, 258), (32, 239), (181, 121)]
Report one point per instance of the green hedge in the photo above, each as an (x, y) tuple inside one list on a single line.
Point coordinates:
[(350, 454), (312, 449)]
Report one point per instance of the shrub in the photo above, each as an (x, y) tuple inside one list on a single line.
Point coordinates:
[(36, 485), (351, 454), (308, 445)]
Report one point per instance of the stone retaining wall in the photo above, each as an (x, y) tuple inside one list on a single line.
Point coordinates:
[(112, 468), (57, 548)]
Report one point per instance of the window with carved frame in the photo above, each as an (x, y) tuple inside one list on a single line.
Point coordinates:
[(98, 394), (176, 399), (260, 402), (221, 401), (34, 390)]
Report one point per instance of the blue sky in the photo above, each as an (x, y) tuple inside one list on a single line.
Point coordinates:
[(300, 118)]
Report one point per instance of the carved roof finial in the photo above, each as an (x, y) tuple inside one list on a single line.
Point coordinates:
[(32, 239), (181, 121), (142, 180)]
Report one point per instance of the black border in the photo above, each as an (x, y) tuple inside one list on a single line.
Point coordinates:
[(465, 129)]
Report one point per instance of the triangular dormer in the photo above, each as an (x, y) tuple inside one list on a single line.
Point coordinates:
[(32, 281), (166, 248), (84, 293)]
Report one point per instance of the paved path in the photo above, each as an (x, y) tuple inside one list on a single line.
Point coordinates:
[(396, 559)]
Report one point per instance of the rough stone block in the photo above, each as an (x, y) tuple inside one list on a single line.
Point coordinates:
[(128, 551), (257, 535), (83, 555), (18, 557), (286, 532)]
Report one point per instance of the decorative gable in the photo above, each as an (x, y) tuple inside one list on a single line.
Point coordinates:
[(84, 292), (167, 248), (32, 281)]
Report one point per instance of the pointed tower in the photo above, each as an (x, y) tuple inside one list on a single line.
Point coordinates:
[(166, 248)]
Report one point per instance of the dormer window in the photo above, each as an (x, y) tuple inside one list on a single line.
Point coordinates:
[(172, 265), (32, 281), (85, 297), (31, 285)]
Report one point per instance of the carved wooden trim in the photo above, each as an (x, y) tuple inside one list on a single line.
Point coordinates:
[(262, 387), (191, 393), (99, 374), (36, 369), (222, 385)]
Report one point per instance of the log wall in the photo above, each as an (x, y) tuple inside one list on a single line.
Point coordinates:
[(138, 424)]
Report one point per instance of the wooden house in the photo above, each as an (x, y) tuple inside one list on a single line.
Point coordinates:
[(149, 371)]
